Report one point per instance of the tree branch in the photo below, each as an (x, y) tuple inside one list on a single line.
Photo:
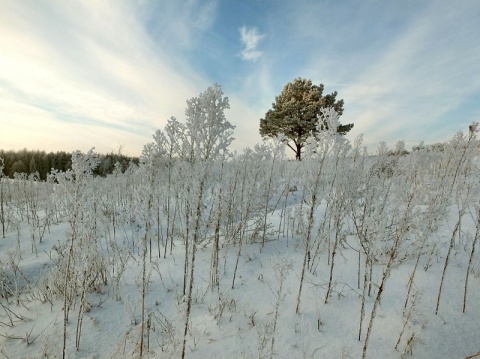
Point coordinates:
[(293, 149)]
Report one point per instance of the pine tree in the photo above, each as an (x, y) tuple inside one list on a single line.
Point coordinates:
[(297, 111)]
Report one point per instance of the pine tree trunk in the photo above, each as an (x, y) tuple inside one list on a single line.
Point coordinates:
[(298, 154)]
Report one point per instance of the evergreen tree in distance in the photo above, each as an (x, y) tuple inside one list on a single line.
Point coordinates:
[(296, 113)]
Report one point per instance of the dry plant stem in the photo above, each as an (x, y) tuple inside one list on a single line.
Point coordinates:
[(236, 261), (80, 316), (322, 232), (403, 227), (172, 230), (370, 274), (150, 248), (307, 251), (2, 211), (377, 299), (334, 250), (361, 229), (332, 264), (169, 235), (463, 158), (185, 267), (231, 204), (215, 278), (283, 211), (144, 279), (159, 230), (310, 225), (192, 266), (477, 234), (267, 197), (450, 247), (359, 270), (364, 294), (66, 307), (214, 275), (243, 228), (412, 276), (9, 314), (279, 296), (407, 319)]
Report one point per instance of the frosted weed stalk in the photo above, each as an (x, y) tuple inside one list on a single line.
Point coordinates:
[(281, 267)]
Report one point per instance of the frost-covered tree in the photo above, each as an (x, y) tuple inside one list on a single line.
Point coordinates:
[(297, 113), (209, 135), (209, 131), (170, 143)]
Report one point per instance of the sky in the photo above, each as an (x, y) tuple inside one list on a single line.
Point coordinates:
[(108, 74)]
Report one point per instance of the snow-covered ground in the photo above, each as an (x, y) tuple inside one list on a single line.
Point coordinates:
[(237, 323), (93, 263)]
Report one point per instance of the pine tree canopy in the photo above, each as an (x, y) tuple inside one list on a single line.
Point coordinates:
[(296, 113)]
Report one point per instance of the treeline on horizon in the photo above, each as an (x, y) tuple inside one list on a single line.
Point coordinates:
[(31, 161), (28, 162)]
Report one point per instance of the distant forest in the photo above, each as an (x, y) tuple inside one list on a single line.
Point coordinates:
[(25, 161)]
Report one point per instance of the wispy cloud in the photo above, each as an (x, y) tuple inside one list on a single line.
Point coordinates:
[(90, 72), (249, 39), (178, 25), (418, 87)]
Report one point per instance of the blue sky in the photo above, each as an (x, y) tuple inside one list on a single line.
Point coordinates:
[(105, 74)]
